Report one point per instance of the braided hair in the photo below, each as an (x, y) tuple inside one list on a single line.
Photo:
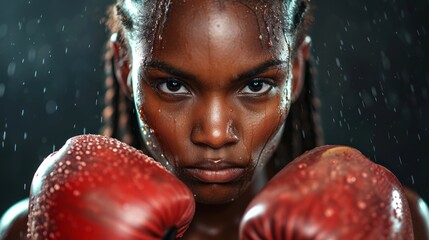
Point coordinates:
[(302, 130), (119, 116)]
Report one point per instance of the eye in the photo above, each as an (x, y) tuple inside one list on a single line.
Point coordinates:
[(257, 86), (172, 86)]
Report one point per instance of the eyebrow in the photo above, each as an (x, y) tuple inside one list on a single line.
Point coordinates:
[(260, 68), (165, 67)]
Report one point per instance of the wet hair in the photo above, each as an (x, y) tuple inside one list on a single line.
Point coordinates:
[(302, 130)]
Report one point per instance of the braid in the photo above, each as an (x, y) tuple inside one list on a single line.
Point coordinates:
[(110, 111), (302, 130), (118, 115)]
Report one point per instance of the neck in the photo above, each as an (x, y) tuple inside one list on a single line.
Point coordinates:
[(221, 221)]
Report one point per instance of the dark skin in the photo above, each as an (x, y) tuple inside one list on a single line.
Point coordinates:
[(215, 98), (202, 122)]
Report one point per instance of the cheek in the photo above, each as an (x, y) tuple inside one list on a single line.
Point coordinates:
[(267, 125), (266, 129), (163, 130), (264, 137)]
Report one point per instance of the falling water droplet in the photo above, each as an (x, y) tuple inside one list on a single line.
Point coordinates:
[(11, 69)]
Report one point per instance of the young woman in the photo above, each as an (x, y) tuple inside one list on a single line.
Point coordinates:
[(213, 84), (220, 92)]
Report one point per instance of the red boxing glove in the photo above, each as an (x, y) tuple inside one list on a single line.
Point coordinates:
[(99, 188), (331, 192)]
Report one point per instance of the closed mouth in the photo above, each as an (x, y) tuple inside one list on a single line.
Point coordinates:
[(215, 175)]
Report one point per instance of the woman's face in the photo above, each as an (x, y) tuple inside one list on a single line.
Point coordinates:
[(212, 92)]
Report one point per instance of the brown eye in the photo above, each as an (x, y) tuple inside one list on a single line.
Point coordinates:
[(257, 86), (172, 86)]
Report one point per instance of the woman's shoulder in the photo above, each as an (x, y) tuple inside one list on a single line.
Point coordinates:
[(13, 223)]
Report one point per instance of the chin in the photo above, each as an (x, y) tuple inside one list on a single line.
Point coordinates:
[(216, 193)]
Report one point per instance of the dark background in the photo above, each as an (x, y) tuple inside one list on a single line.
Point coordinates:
[(372, 61)]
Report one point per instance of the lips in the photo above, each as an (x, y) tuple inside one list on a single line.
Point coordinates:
[(214, 172)]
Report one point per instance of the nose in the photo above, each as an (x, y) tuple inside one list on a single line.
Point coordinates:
[(214, 126)]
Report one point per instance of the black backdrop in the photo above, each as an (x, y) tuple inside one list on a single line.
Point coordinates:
[(372, 60)]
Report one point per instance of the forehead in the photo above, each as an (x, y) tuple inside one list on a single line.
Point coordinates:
[(215, 32)]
